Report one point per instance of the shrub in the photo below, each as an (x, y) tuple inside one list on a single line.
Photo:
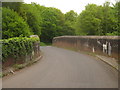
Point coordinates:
[(17, 47)]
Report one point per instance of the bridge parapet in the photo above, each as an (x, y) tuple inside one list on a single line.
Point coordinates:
[(104, 45)]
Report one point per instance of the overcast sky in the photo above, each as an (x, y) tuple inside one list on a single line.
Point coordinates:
[(67, 5)]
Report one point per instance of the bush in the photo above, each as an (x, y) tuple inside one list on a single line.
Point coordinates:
[(13, 25), (17, 47)]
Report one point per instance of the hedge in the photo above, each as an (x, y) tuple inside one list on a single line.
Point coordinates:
[(17, 47)]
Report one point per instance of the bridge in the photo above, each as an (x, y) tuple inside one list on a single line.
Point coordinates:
[(62, 68)]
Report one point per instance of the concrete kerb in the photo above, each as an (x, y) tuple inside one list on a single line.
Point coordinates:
[(110, 61)]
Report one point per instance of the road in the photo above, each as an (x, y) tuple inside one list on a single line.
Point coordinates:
[(60, 68)]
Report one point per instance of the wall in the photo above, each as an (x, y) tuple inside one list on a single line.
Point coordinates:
[(104, 45), (24, 59)]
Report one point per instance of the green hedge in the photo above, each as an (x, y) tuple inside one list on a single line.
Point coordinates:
[(17, 47)]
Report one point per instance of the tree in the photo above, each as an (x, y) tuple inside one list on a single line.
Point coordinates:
[(109, 20), (116, 26), (13, 5), (31, 15), (88, 22), (13, 25), (70, 20), (98, 20), (52, 23), (117, 9), (71, 16)]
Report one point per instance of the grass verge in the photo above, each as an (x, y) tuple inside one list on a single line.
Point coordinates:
[(45, 44)]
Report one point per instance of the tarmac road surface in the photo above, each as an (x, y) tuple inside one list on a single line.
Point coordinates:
[(60, 68)]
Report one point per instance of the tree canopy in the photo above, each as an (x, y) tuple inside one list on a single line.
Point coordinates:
[(98, 20), (20, 19), (31, 15), (13, 25), (52, 21)]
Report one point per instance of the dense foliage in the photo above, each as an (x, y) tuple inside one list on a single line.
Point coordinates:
[(31, 15), (98, 20), (13, 5), (70, 20), (20, 19), (13, 25), (53, 20), (17, 47)]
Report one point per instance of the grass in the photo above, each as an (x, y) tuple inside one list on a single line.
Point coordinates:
[(18, 66), (45, 44), (42, 44), (1, 75)]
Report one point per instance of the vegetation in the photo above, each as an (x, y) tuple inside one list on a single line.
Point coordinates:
[(42, 44), (17, 47), (52, 24), (31, 15), (20, 19), (70, 20), (45, 44), (13, 25), (15, 6), (99, 20)]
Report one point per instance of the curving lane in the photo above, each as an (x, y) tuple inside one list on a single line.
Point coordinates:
[(60, 68)]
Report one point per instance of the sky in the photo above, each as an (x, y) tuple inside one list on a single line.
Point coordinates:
[(67, 5)]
